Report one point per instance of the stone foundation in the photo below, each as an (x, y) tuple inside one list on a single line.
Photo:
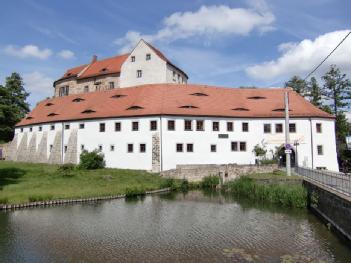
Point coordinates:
[(23, 149), (195, 173), (41, 155), (56, 151), (71, 153), (155, 153), (32, 148)]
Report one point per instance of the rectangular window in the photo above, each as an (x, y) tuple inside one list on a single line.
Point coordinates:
[(142, 147), (100, 147), (102, 127), (278, 128), (86, 89), (215, 126), (230, 126), (179, 147), (65, 148), (174, 75), (320, 149), (82, 147), (245, 126), (153, 125), (243, 146), (199, 125), (267, 128), (135, 126), (190, 147), (117, 126), (213, 148), (132, 58), (292, 127), (112, 148), (188, 125), (111, 85), (52, 127), (21, 129), (66, 126), (319, 127), (148, 56), (130, 148), (171, 125), (234, 146), (51, 147), (30, 129), (81, 125), (40, 128), (139, 73)]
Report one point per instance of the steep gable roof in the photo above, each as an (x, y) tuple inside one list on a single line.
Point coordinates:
[(170, 99)]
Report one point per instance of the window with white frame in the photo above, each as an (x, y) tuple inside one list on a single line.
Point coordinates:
[(139, 73)]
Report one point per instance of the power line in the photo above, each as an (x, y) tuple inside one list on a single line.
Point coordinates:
[(320, 64)]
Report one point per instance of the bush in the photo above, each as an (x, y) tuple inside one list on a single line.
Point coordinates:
[(66, 170), (38, 198), (91, 160), (267, 161), (210, 182), (169, 182), (134, 191), (4, 200)]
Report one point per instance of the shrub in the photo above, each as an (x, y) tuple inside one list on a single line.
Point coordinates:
[(169, 182), (134, 191), (210, 182), (38, 198), (267, 161), (91, 160), (4, 200), (66, 170)]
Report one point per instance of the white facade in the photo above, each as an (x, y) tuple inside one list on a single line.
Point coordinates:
[(145, 66), (314, 150)]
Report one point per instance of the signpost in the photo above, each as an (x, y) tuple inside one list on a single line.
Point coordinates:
[(288, 147)]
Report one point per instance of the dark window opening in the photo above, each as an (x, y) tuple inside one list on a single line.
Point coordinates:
[(102, 127), (240, 109), (66, 126), (135, 107), (188, 107), (230, 126), (130, 148), (117, 126), (234, 146), (199, 94), (81, 126), (171, 125), (213, 148), (256, 98), (319, 127), (200, 125), (49, 104), (187, 125), (179, 147), (215, 126), (292, 127), (117, 96), (135, 126), (243, 146), (189, 147), (267, 128), (88, 111), (153, 125), (77, 100), (278, 128), (142, 147), (245, 127), (148, 56), (52, 114)]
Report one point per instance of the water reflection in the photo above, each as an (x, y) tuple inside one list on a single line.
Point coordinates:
[(194, 226)]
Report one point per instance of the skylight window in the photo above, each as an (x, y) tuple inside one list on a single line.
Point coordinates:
[(49, 104), (135, 107), (188, 107), (256, 98), (88, 111), (199, 94), (240, 109), (78, 100)]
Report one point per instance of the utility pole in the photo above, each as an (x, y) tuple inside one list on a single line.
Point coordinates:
[(287, 135)]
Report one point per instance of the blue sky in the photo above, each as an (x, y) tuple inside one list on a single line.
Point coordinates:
[(224, 43)]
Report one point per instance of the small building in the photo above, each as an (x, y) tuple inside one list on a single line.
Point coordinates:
[(156, 127)]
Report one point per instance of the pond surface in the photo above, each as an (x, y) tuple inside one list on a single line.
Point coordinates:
[(192, 227)]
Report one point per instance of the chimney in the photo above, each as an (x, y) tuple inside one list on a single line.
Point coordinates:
[(94, 59)]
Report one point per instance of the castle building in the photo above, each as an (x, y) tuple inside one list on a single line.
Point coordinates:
[(158, 121)]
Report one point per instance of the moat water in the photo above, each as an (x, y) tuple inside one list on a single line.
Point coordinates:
[(174, 227)]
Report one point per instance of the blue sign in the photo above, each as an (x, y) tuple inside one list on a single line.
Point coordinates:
[(288, 146)]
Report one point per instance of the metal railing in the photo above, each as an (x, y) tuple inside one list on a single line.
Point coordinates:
[(339, 182)]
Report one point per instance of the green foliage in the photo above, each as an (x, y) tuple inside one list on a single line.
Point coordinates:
[(284, 195), (314, 92), (134, 191), (210, 182), (13, 105), (4, 200), (39, 198), (66, 170), (91, 160), (270, 161), (297, 84), (168, 183), (259, 150)]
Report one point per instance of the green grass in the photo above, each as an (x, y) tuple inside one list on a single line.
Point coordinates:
[(24, 182), (276, 175), (284, 195)]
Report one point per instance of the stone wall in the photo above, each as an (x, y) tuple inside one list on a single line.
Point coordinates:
[(332, 207), (195, 173), (41, 155), (155, 153), (22, 151), (56, 151), (11, 152), (32, 148), (71, 153)]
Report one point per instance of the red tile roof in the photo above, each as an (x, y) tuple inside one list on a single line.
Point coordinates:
[(170, 99)]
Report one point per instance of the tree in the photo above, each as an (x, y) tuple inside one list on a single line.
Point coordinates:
[(297, 84), (337, 88), (315, 92), (13, 105)]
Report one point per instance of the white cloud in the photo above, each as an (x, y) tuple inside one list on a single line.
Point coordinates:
[(207, 21), (38, 84), (300, 58), (66, 54), (28, 51)]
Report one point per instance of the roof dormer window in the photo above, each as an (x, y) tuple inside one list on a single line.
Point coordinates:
[(104, 69), (29, 118), (132, 58), (240, 109), (188, 107), (52, 114), (148, 56), (49, 104), (118, 96), (199, 94), (279, 110), (256, 98), (78, 100), (88, 111), (135, 107)]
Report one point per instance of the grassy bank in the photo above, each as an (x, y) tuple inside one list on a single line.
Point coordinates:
[(24, 182), (281, 194)]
